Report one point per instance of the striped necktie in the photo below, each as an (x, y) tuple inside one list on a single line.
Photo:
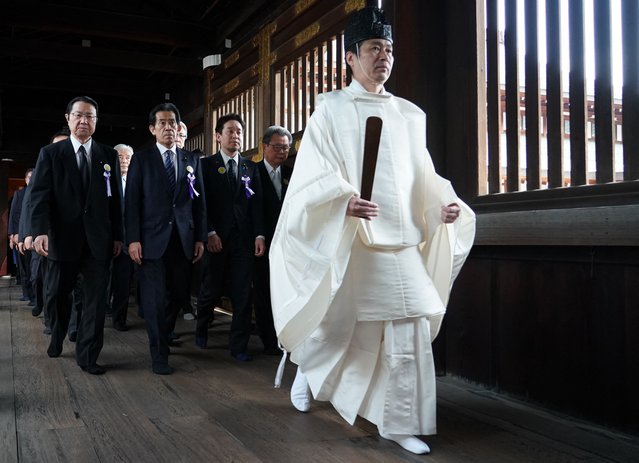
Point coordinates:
[(170, 170)]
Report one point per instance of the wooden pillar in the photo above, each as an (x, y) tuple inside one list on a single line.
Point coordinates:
[(207, 119), (452, 92), (4, 214)]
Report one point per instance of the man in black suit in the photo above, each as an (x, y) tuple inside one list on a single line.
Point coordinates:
[(77, 223), (274, 176), (165, 227), (235, 234), (122, 268), (38, 262), (13, 227)]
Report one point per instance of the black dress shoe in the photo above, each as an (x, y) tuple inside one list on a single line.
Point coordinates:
[(242, 357), (94, 369), (73, 336), (163, 370), (120, 327), (36, 311), (174, 343), (53, 353)]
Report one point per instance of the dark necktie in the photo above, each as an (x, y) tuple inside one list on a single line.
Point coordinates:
[(170, 170), (232, 174), (84, 169)]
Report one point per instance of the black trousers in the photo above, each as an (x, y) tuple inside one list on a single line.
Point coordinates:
[(24, 267), (163, 284), (121, 276), (37, 278), (262, 303), (232, 265), (62, 276)]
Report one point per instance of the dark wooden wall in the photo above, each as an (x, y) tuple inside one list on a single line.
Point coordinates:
[(554, 325), (557, 325)]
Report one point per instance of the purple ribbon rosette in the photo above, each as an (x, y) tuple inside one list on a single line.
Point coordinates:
[(107, 178), (247, 186), (191, 178)]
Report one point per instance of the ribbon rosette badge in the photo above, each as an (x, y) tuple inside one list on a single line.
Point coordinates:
[(107, 178), (191, 179), (247, 186)]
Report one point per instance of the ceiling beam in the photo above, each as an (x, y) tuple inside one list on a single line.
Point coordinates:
[(100, 57), (87, 85), (99, 23), (47, 114)]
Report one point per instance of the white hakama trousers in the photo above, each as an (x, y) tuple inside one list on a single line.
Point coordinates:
[(381, 370)]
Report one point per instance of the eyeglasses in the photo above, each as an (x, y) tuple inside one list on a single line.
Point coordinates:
[(280, 147), (89, 117)]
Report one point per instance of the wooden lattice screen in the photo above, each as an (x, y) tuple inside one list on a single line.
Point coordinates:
[(550, 120)]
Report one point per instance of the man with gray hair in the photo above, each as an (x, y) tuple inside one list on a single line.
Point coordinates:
[(187, 309), (122, 269), (275, 176)]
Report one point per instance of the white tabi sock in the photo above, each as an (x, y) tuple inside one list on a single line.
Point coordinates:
[(410, 443), (301, 392)]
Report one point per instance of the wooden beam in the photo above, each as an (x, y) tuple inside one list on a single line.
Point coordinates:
[(532, 96), (555, 99), (604, 149), (577, 87), (588, 226), (630, 132), (90, 85), (93, 22), (99, 56), (46, 114)]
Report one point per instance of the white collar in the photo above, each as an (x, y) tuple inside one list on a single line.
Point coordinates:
[(77, 144), (163, 149)]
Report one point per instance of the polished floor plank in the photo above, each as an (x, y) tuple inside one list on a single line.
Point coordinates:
[(214, 409)]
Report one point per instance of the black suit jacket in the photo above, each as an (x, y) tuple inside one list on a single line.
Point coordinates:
[(16, 212), (150, 211), (225, 208), (24, 226), (271, 203), (60, 209)]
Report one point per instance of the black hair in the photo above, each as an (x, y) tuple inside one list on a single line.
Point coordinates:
[(170, 107), (219, 126), (64, 131), (84, 99)]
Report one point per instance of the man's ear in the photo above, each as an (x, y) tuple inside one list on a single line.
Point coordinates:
[(152, 129), (350, 58)]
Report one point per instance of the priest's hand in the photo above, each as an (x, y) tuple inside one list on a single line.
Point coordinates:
[(358, 207), (450, 213)]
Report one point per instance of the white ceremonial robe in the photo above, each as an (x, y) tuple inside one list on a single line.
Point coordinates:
[(359, 302)]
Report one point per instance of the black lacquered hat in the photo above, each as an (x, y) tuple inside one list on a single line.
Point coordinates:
[(367, 23)]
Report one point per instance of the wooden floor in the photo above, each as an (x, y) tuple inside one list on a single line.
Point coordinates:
[(213, 409)]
